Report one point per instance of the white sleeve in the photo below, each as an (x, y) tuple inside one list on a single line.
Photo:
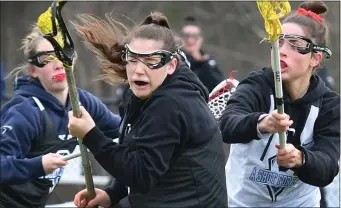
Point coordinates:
[(260, 134)]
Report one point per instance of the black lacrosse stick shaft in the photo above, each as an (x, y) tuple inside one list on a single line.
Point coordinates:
[(66, 54)]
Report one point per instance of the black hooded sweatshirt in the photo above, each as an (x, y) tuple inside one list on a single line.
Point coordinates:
[(170, 152), (207, 71), (251, 99)]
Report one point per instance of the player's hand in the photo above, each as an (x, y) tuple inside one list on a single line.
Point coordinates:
[(51, 162), (289, 156), (79, 127), (101, 199), (275, 122)]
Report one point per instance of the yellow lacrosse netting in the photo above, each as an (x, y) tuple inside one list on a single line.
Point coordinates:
[(272, 11), (44, 23)]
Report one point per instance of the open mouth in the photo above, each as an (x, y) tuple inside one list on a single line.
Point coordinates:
[(140, 83), (59, 77), (283, 65)]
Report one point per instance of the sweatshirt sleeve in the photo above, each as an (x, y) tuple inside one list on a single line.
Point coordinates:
[(146, 159), (105, 120), (321, 160), (15, 171), (238, 123), (116, 191), (18, 129)]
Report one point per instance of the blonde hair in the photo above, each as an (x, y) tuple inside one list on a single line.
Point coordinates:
[(28, 46)]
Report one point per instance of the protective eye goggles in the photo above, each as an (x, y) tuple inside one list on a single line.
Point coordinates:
[(303, 45), (42, 58), (153, 60)]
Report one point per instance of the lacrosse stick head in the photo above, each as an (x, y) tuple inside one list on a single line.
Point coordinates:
[(271, 12), (52, 25), (220, 94), (48, 26)]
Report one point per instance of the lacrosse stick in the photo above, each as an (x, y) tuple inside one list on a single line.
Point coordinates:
[(220, 94), (55, 31), (71, 156), (271, 12)]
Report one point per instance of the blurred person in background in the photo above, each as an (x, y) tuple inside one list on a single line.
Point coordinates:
[(170, 151), (201, 63), (34, 132), (259, 173), (326, 77)]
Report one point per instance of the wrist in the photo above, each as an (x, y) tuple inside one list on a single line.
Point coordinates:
[(300, 159), (108, 203), (261, 126), (109, 206), (91, 133)]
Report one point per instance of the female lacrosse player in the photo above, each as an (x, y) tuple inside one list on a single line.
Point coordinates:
[(258, 172), (34, 123), (171, 147)]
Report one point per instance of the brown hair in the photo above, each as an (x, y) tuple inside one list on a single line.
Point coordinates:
[(107, 39), (317, 31)]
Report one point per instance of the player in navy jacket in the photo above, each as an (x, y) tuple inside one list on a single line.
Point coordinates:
[(34, 131)]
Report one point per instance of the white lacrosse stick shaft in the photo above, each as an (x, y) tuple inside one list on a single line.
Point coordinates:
[(276, 67)]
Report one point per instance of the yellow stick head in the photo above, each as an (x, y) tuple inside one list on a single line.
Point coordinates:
[(271, 12), (45, 25)]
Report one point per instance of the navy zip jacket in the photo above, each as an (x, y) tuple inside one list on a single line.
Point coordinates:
[(30, 129)]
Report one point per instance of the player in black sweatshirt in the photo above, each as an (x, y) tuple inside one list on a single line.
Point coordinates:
[(170, 147), (259, 173)]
